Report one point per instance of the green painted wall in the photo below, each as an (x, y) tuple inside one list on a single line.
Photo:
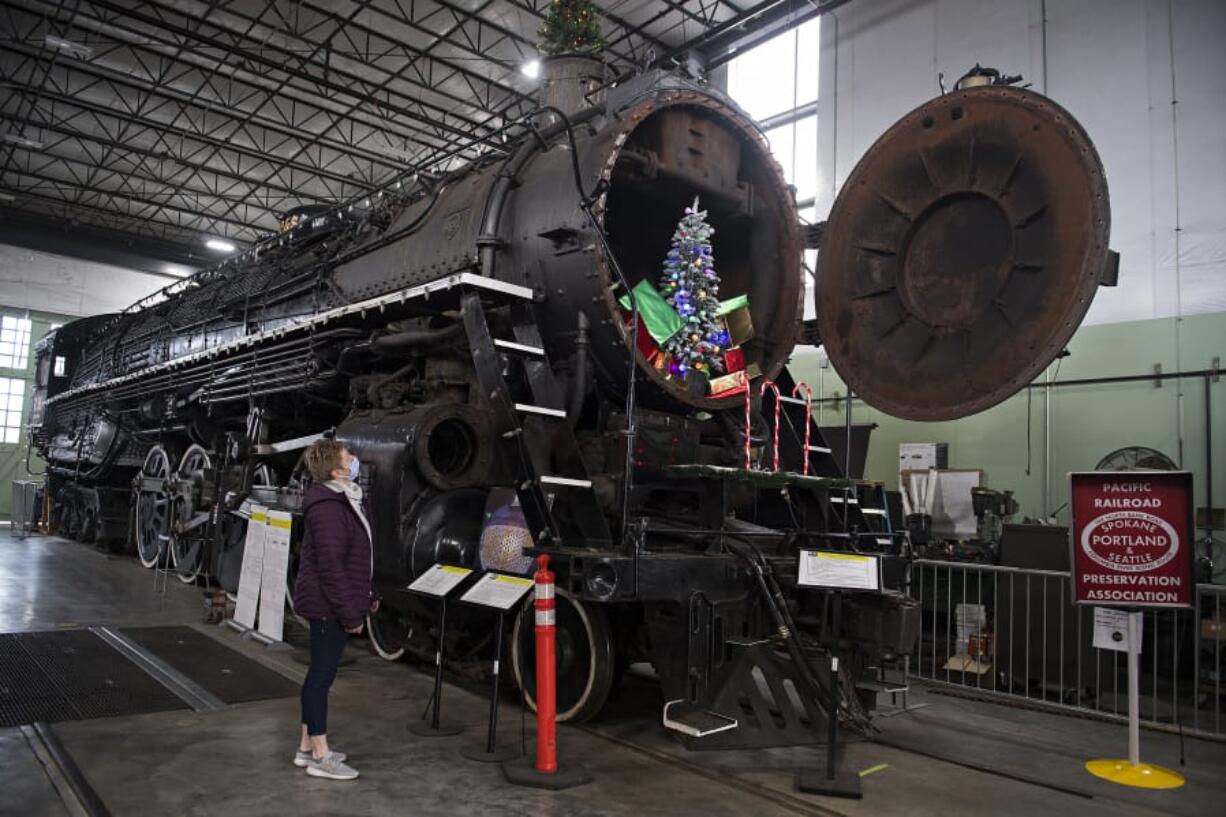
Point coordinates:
[(13, 456), (1087, 422)]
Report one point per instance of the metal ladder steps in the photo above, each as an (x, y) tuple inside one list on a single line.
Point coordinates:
[(695, 721), (543, 411), (518, 348)]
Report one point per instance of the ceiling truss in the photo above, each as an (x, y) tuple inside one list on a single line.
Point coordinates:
[(190, 119)]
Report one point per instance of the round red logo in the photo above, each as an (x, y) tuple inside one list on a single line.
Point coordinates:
[(1130, 541)]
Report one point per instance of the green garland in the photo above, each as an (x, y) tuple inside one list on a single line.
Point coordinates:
[(571, 27)]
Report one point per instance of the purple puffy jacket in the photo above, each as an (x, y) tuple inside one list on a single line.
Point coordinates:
[(334, 569)]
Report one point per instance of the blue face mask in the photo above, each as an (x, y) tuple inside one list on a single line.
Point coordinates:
[(355, 466)]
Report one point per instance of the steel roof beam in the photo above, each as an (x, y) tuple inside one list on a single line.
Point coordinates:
[(185, 101), (219, 147), (426, 111), (254, 86)]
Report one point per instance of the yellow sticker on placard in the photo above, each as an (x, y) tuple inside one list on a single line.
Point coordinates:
[(453, 569), (850, 557), (513, 580), (262, 518), (278, 522)]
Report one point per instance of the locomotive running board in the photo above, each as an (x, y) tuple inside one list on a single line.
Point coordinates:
[(460, 283)]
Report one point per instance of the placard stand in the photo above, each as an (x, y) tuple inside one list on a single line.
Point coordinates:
[(832, 783), (438, 582), (1130, 545), (490, 752), (1133, 772), (835, 572), (498, 592)]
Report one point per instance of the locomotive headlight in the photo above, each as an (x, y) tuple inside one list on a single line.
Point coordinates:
[(601, 580)]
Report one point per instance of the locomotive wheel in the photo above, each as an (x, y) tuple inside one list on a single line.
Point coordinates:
[(153, 509), (389, 633), (186, 551), (586, 659)]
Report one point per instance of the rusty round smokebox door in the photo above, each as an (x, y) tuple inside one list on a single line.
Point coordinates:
[(962, 253)]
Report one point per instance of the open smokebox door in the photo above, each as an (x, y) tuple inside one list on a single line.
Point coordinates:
[(962, 253), (674, 149)]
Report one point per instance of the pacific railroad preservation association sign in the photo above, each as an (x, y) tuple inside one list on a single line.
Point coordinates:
[(1131, 538)]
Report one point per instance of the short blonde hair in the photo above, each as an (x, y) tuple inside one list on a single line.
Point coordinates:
[(324, 457)]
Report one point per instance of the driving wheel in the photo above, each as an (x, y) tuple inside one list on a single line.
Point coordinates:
[(186, 549), (153, 525), (585, 657)]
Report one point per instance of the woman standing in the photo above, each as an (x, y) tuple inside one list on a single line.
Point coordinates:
[(333, 592)]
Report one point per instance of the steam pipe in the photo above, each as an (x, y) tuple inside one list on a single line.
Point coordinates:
[(418, 337)]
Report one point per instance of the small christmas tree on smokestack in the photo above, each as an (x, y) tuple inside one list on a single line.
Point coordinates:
[(571, 27)]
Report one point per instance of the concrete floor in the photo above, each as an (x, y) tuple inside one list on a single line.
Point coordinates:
[(235, 761)]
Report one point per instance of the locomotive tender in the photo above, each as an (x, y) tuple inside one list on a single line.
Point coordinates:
[(460, 330)]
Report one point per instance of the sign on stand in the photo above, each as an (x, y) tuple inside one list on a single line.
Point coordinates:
[(273, 575), (841, 571), (1131, 538), (439, 580), (497, 590), (835, 572), (1131, 547), (253, 568)]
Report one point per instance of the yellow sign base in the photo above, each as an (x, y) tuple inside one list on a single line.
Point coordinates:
[(1142, 775)]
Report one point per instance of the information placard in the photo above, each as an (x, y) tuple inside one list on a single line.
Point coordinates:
[(1111, 630), (439, 580), (253, 567), (497, 590), (839, 571), (275, 568), (1131, 538)]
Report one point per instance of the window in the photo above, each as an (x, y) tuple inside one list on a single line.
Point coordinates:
[(12, 396), (776, 78), (61, 366), (14, 342)]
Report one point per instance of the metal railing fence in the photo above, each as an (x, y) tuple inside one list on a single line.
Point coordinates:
[(1015, 632)]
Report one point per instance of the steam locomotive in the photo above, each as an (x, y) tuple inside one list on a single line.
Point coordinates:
[(464, 331)]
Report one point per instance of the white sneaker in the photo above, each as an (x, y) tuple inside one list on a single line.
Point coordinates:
[(331, 767), (303, 759)]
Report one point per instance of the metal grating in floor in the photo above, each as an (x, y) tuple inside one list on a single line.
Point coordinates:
[(72, 675), (224, 672)]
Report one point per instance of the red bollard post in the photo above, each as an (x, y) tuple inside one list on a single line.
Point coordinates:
[(544, 772), (546, 670)]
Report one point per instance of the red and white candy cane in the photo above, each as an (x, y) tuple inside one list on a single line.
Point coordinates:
[(748, 425), (778, 404), (804, 387)]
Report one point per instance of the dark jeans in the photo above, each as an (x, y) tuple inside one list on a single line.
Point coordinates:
[(328, 639)]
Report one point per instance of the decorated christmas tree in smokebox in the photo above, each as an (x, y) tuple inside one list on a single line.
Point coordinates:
[(690, 285)]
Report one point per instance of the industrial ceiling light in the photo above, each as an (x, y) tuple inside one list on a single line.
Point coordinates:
[(531, 69), (22, 141), (78, 50), (218, 245)]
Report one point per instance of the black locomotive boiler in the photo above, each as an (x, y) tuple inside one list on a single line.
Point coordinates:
[(460, 329)]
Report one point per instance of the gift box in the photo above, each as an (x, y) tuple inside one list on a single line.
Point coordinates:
[(646, 345), (734, 360), (729, 384), (661, 320), (740, 326)]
